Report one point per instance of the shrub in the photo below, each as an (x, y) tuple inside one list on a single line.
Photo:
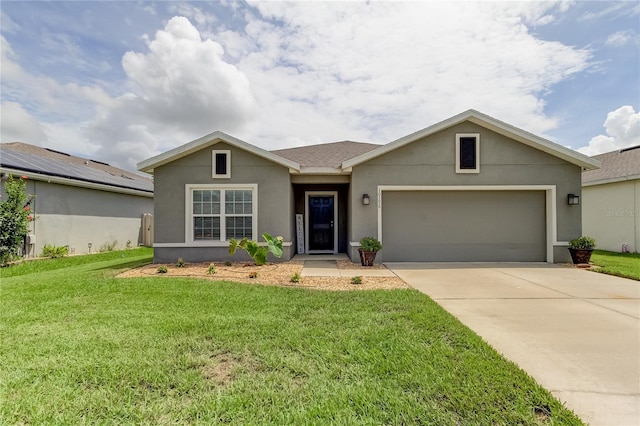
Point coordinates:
[(52, 251), (295, 278), (180, 263), (162, 269), (15, 215), (128, 245), (356, 280), (370, 244), (211, 269), (582, 243), (228, 263), (257, 253), (109, 246)]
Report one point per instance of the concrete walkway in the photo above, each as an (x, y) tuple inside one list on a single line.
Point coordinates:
[(329, 268), (576, 332)]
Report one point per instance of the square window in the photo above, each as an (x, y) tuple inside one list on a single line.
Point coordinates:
[(220, 213)]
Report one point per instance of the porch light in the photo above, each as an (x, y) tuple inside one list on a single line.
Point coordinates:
[(366, 200), (573, 200)]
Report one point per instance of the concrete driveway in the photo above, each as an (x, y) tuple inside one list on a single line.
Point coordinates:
[(576, 332)]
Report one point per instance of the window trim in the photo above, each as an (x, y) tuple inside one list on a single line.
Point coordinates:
[(215, 175), (467, 135), (188, 228)]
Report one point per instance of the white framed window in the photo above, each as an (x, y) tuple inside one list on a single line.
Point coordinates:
[(467, 153), (221, 212), (221, 164)]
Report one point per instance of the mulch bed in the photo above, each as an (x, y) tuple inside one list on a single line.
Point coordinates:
[(279, 274)]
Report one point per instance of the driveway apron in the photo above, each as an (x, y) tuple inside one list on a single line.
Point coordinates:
[(576, 332)]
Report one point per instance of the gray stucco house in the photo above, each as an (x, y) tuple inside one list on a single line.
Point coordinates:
[(80, 203), (470, 188)]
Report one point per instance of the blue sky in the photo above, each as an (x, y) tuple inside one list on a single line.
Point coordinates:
[(122, 81)]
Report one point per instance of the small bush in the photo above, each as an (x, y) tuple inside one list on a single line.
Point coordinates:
[(253, 274), (228, 263), (370, 244), (180, 263), (584, 243), (356, 280), (257, 252), (52, 251), (295, 278), (108, 246), (15, 215), (162, 269), (211, 269), (128, 245)]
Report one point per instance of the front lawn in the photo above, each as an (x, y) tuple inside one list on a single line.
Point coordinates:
[(625, 265), (81, 346)]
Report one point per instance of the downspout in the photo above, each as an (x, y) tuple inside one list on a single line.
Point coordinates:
[(636, 213)]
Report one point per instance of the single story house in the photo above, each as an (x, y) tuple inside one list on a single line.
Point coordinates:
[(469, 188), (611, 201), (84, 204)]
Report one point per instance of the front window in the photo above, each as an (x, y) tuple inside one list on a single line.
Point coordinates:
[(221, 213)]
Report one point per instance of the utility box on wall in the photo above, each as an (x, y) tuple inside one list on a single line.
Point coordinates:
[(147, 230)]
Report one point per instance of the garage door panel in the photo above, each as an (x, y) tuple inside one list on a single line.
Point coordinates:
[(464, 226)]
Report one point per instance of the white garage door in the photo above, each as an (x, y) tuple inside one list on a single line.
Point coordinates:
[(463, 226)]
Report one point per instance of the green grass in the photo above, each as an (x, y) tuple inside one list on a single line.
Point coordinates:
[(43, 265), (80, 346), (625, 265)]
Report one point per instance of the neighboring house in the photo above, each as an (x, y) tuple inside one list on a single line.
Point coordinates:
[(611, 201), (84, 204), (470, 188)]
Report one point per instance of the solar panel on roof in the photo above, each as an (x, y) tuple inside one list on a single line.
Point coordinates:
[(53, 167)]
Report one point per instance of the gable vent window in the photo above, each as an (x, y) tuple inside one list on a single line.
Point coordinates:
[(468, 153), (221, 164)]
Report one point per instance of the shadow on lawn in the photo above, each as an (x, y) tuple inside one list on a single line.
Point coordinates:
[(127, 265)]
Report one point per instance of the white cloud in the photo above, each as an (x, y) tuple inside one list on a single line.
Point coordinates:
[(301, 72), (193, 13), (181, 88), (381, 70), (620, 38), (622, 128), (17, 125)]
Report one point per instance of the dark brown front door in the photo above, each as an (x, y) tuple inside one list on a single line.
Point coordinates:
[(321, 226)]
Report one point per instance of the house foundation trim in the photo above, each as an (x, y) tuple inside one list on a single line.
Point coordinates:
[(550, 198)]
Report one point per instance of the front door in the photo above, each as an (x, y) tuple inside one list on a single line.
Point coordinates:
[(321, 221)]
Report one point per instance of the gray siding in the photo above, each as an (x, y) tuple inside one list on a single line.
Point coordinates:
[(274, 199), (73, 216), (431, 161)]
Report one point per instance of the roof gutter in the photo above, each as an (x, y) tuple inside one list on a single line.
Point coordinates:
[(611, 180)]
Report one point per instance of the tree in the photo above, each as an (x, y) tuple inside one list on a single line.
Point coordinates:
[(15, 215)]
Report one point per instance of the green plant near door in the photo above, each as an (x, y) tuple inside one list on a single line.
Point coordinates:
[(258, 253), (369, 246)]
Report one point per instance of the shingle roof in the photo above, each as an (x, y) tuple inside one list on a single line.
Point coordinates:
[(43, 161), (326, 154), (616, 165)]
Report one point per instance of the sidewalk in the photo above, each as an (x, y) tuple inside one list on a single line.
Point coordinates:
[(329, 268)]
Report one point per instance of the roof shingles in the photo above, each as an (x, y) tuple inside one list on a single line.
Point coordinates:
[(327, 154), (616, 166)]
